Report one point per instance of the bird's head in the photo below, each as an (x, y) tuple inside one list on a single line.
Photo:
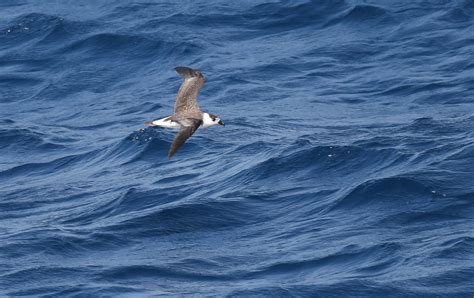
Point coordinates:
[(211, 120)]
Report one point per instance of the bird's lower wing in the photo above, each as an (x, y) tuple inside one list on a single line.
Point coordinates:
[(183, 135)]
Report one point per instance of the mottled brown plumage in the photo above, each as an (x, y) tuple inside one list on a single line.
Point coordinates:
[(186, 109), (186, 100), (183, 135), (187, 114)]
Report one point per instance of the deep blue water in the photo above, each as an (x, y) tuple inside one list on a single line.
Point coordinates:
[(346, 166)]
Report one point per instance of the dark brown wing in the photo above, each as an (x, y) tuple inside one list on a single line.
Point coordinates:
[(183, 135), (186, 100)]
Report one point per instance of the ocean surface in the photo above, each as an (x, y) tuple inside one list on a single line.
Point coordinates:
[(346, 166)]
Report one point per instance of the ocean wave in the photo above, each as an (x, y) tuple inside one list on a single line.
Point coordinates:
[(51, 167), (385, 192), (182, 218), (360, 15), (23, 139), (108, 43), (374, 258), (308, 161)]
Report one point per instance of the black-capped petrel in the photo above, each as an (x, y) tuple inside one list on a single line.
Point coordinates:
[(187, 116)]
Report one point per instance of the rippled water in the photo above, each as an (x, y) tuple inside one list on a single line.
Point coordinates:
[(345, 167)]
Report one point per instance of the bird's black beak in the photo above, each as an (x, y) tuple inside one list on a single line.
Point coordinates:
[(221, 123)]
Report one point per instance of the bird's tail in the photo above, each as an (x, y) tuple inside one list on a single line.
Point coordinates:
[(149, 123)]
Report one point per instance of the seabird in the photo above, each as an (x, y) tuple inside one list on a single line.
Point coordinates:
[(187, 116)]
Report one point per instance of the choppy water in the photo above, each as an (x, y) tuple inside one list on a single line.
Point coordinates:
[(345, 167)]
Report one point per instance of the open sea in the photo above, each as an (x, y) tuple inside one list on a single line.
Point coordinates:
[(346, 166)]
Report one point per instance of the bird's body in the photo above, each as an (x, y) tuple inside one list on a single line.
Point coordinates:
[(187, 116)]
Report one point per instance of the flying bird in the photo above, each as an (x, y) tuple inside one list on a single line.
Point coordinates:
[(187, 116)]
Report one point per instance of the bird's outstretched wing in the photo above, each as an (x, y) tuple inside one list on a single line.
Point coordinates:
[(183, 135), (186, 100)]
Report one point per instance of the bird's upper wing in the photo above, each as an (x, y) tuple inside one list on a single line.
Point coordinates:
[(186, 100), (183, 135)]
